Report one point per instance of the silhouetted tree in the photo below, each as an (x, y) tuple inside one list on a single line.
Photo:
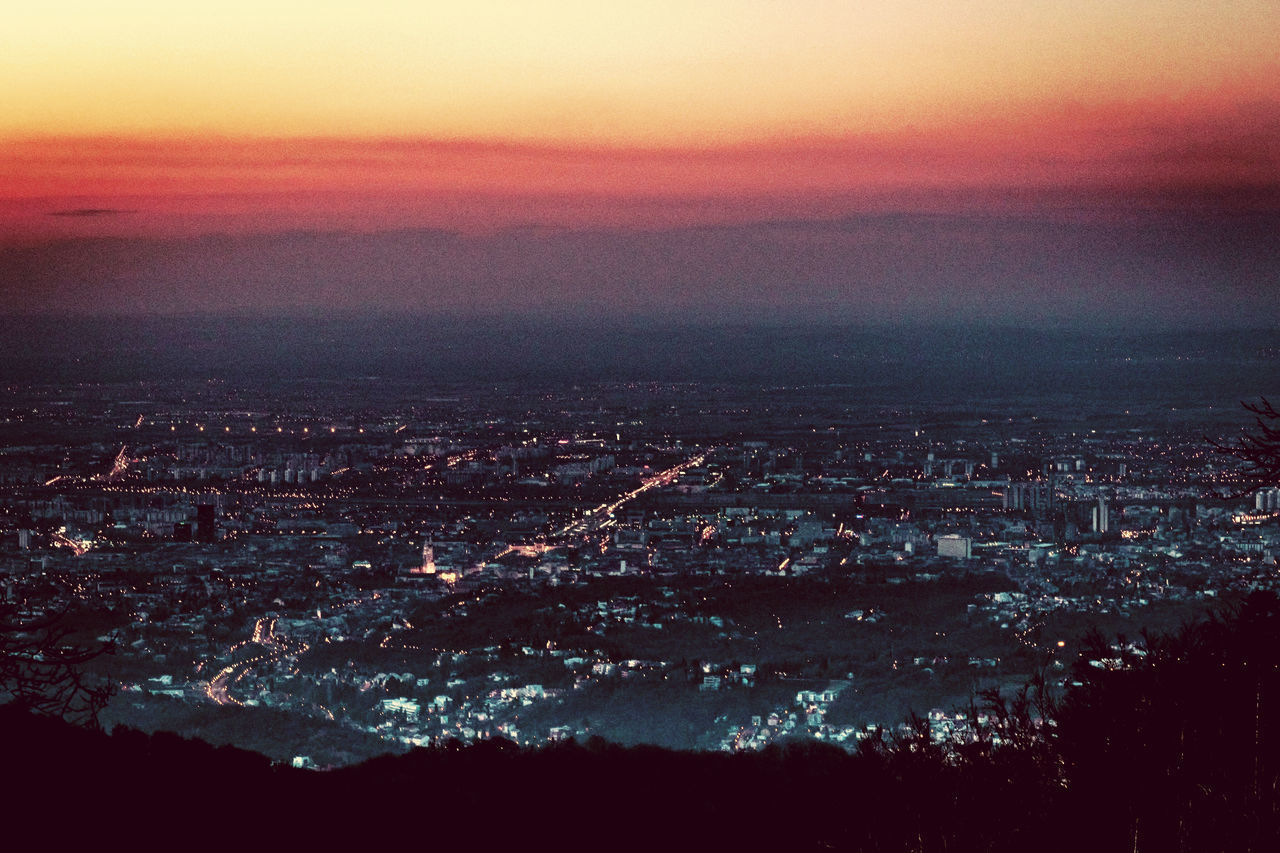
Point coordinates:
[(1169, 742), (41, 670), (1259, 447)]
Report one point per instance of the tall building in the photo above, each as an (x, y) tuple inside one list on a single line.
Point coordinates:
[(1101, 516), (428, 558), (206, 525), (1040, 497), (1267, 500)]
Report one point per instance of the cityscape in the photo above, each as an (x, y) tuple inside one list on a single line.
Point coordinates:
[(349, 568), (717, 425)]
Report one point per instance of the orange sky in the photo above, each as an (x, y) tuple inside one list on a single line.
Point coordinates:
[(141, 117)]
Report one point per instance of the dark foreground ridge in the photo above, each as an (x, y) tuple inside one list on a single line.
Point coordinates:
[(1170, 743)]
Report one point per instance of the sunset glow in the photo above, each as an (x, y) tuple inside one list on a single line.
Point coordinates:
[(152, 101), (142, 119), (657, 73)]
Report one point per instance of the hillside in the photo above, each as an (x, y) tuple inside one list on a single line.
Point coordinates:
[(1166, 744)]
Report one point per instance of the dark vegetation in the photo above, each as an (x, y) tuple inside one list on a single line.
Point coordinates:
[(276, 733), (1259, 447), (1168, 742), (42, 667)]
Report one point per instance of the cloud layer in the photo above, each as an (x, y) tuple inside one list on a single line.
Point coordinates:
[(1157, 271)]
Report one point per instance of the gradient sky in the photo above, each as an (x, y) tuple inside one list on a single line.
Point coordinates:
[(174, 128)]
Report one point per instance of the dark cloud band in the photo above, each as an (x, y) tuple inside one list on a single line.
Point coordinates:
[(91, 211)]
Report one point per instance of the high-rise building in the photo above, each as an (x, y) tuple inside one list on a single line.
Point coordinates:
[(206, 524), (1040, 497), (1101, 516)]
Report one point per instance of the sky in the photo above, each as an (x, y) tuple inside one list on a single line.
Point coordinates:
[(1017, 161)]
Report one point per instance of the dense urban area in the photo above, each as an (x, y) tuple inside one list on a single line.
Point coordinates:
[(344, 568)]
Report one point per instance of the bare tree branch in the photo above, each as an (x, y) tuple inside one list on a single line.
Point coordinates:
[(40, 670), (1258, 448)]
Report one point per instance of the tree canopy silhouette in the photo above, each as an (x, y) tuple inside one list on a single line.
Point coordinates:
[(1259, 447), (1170, 742), (1163, 743), (41, 669)]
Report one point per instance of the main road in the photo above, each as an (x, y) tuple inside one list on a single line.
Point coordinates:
[(599, 517), (275, 647)]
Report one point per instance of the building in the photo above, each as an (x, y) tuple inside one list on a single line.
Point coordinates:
[(955, 546), (206, 524), (1267, 500), (428, 558), (1101, 516)]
